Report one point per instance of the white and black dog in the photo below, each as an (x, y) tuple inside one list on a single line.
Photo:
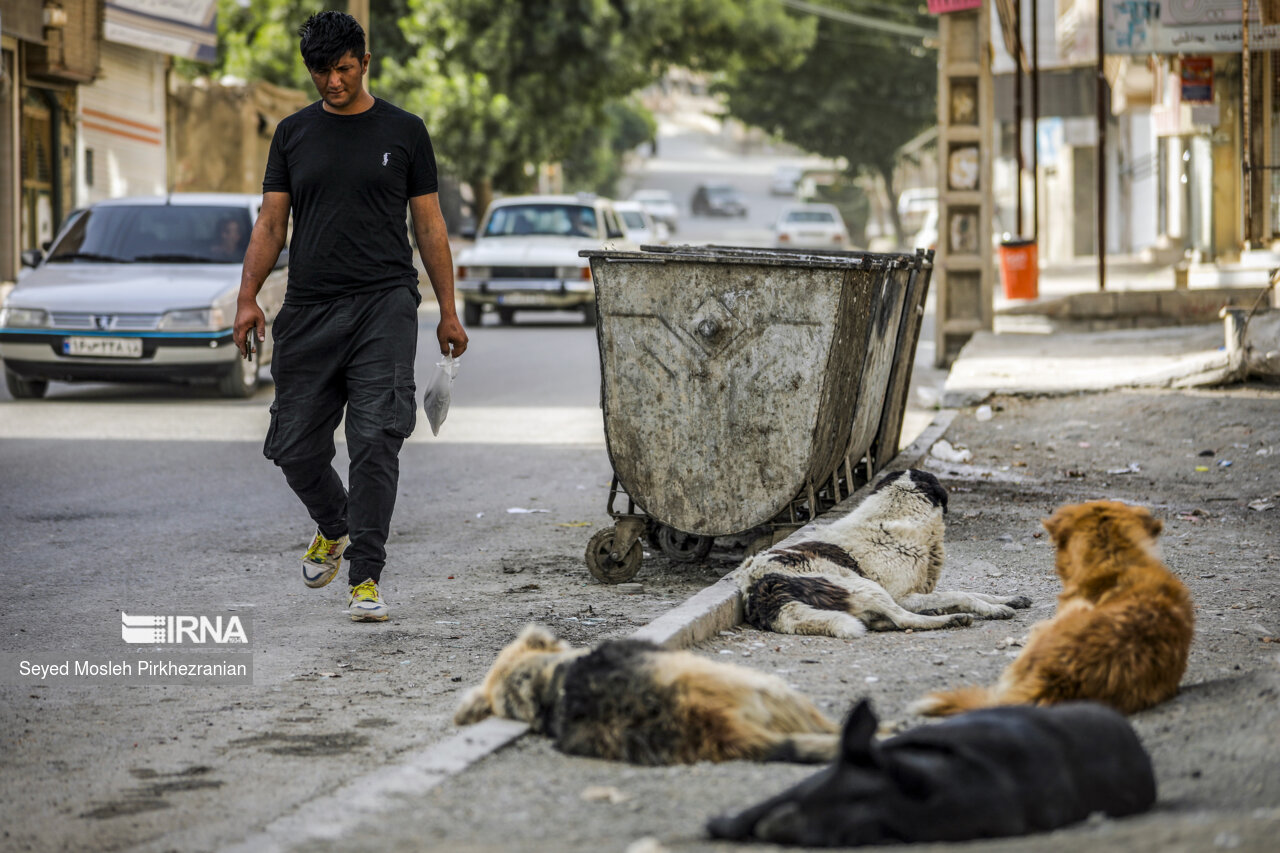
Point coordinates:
[(875, 568)]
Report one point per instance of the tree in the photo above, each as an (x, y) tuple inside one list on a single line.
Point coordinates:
[(859, 94), (506, 84), (595, 162), (258, 39)]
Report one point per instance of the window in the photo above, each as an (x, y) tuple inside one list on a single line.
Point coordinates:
[(559, 220)]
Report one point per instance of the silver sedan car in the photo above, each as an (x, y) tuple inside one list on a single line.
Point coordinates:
[(138, 290)]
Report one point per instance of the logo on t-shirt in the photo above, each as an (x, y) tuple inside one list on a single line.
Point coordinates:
[(384, 158)]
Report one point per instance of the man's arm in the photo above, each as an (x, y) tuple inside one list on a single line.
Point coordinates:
[(259, 259), (433, 246)]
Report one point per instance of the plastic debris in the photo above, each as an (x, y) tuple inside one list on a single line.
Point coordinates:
[(983, 414), (603, 794), (519, 510), (1224, 463), (944, 451), (1131, 468), (1261, 504), (573, 524)]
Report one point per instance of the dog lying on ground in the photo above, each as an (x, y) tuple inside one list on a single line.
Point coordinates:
[(1123, 627), (987, 774), (875, 568), (629, 700)]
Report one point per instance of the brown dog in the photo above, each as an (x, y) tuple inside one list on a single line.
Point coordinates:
[(1123, 626)]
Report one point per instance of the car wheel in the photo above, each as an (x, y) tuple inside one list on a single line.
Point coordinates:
[(24, 389), (589, 313), (471, 313), (507, 316), (241, 380)]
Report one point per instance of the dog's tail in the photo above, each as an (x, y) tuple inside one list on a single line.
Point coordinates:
[(949, 702), (806, 748)]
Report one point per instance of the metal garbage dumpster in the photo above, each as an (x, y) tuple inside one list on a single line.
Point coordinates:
[(745, 391)]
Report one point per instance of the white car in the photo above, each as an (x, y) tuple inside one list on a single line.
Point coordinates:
[(526, 256), (810, 226), (137, 290), (786, 179), (661, 206), (641, 227)]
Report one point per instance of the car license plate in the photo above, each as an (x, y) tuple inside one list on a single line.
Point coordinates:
[(103, 347), (522, 299)]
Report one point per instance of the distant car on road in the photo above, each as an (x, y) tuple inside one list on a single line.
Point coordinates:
[(785, 180), (810, 226), (138, 290), (717, 200), (526, 256), (641, 228), (661, 206)]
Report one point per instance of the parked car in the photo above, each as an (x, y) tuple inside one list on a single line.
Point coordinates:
[(641, 228), (785, 180), (138, 289), (717, 200), (526, 256), (810, 226), (661, 206)]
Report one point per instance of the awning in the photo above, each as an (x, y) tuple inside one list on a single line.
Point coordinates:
[(186, 28)]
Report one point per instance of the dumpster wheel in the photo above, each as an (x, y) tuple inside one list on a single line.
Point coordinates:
[(684, 547), (602, 564)]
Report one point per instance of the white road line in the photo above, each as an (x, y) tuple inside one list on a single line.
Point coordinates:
[(213, 421)]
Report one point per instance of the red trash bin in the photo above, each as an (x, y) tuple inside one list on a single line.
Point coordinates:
[(1019, 268)]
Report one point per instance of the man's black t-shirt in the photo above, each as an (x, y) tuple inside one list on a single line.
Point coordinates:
[(349, 178)]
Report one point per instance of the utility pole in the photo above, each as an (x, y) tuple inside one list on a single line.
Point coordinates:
[(1101, 97), (359, 9), (1035, 120)]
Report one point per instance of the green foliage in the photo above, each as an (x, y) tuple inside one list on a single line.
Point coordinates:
[(858, 94), (596, 161), (505, 83), (259, 41)]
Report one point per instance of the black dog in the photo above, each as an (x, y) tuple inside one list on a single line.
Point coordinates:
[(986, 774)]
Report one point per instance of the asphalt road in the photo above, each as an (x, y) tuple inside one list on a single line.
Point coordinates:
[(157, 500)]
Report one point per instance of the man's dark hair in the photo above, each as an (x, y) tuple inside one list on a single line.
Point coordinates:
[(327, 37)]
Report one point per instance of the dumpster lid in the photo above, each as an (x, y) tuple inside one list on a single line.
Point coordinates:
[(812, 258)]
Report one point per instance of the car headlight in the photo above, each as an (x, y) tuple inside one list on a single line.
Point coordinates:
[(468, 271), (24, 318), (574, 273), (210, 319)]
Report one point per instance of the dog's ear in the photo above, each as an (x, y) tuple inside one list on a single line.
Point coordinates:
[(538, 638), (474, 707), (857, 743)]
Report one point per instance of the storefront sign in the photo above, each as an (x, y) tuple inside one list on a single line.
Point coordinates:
[(1197, 79), (186, 28), (1206, 26), (942, 7)]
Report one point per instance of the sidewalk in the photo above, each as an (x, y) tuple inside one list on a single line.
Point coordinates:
[(1203, 461)]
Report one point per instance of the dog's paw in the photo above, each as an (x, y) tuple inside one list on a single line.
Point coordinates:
[(960, 620), (1019, 602)]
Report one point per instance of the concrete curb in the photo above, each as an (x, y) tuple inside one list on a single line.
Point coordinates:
[(714, 609), (329, 817), (719, 607)]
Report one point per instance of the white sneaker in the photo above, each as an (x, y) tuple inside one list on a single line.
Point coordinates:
[(323, 559), (366, 604)]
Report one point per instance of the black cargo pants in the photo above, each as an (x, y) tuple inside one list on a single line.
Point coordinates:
[(355, 352)]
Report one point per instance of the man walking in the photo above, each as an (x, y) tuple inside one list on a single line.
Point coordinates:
[(347, 334)]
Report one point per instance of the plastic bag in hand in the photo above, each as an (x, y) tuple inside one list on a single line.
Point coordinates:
[(436, 400)]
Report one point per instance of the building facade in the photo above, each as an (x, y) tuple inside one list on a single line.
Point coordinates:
[(83, 106)]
